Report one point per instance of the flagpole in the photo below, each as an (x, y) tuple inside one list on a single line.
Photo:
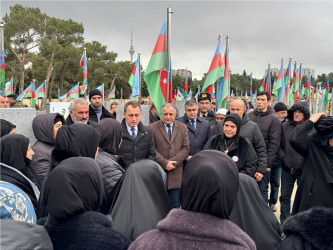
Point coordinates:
[(169, 12), (229, 82), (85, 58), (227, 49), (102, 94), (300, 73), (139, 65), (217, 94)]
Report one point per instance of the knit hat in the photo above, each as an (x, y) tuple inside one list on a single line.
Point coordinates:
[(94, 92), (222, 112), (280, 106)]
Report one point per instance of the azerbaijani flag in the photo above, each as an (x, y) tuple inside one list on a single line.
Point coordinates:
[(134, 80), (226, 81), (121, 94), (179, 95), (246, 97), (197, 94), (33, 96), (73, 93), (101, 88), (62, 98), (83, 64), (8, 88), (307, 88), (2, 70), (296, 82), (189, 95), (26, 93), (216, 70), (156, 74), (326, 92), (111, 95), (262, 87), (279, 84), (287, 80), (40, 91), (251, 84)]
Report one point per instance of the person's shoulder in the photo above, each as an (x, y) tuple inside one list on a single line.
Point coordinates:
[(182, 119), (180, 125)]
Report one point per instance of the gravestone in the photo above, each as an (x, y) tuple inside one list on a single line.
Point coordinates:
[(180, 107), (144, 114), (22, 118)]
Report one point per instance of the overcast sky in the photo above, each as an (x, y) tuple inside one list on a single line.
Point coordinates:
[(261, 32)]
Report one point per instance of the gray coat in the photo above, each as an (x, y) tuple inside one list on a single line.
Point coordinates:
[(22, 235), (270, 127), (42, 127), (143, 147), (197, 137)]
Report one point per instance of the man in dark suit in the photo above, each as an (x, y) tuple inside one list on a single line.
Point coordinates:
[(198, 128), (137, 142), (172, 148)]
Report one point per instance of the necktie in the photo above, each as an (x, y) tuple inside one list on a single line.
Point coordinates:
[(204, 116), (169, 131), (193, 124), (133, 133)]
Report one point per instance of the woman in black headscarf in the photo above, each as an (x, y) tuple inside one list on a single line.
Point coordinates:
[(112, 165), (73, 193), (6, 128), (75, 140), (234, 145), (16, 154), (207, 197), (143, 199), (252, 214), (316, 185)]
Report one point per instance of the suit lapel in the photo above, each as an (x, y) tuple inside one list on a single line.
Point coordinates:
[(198, 127), (174, 131), (163, 131)]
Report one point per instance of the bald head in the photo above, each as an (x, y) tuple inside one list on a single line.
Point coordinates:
[(238, 107)]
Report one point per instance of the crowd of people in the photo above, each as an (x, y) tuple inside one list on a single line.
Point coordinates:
[(209, 179)]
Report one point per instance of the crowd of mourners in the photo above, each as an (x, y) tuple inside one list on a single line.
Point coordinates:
[(209, 179)]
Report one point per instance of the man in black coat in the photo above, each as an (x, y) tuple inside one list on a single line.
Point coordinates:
[(292, 161), (97, 111), (205, 112), (78, 112), (137, 141), (270, 127), (197, 128)]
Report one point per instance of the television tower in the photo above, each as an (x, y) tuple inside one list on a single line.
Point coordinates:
[(131, 51)]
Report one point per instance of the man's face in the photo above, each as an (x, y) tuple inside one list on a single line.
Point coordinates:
[(298, 116), (262, 103), (191, 112), (113, 109), (81, 113), (168, 115), (204, 106), (229, 129), (11, 100), (281, 114), (237, 107), (219, 117), (132, 116), (4, 103), (96, 101)]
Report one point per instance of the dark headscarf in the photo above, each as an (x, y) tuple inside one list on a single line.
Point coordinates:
[(210, 184), (77, 140), (142, 201), (110, 132), (73, 187), (14, 149), (234, 118), (252, 214), (6, 127)]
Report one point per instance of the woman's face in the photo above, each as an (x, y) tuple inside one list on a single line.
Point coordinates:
[(229, 129), (30, 152), (56, 128), (330, 142), (13, 131)]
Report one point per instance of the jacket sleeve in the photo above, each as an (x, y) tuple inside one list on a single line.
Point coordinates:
[(251, 160), (151, 152), (260, 149), (299, 137), (184, 151), (282, 150), (274, 137)]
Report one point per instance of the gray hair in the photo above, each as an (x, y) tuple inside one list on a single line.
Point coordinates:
[(190, 102), (73, 103), (169, 105)]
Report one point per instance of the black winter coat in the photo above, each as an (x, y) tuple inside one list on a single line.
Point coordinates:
[(143, 147), (316, 185), (270, 127), (112, 167), (93, 116), (241, 152), (197, 137), (88, 230), (292, 161)]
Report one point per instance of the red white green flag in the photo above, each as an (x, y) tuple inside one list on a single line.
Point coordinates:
[(40, 91), (326, 92), (26, 93), (33, 96), (156, 73)]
